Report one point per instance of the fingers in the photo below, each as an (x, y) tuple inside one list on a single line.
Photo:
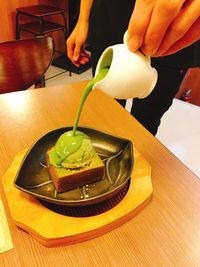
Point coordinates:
[(160, 27), (181, 25), (80, 56), (75, 44), (192, 35), (76, 53), (138, 23), (70, 50), (84, 57), (73, 51), (163, 14)]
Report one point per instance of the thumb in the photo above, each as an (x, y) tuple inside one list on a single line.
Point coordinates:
[(77, 51)]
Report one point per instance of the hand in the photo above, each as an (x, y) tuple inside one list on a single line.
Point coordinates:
[(163, 27), (75, 45)]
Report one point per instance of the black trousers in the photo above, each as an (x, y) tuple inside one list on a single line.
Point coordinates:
[(149, 111)]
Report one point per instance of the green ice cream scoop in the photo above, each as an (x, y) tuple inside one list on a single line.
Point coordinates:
[(72, 151), (81, 156)]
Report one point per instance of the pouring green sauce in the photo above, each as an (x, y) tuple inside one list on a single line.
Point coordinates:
[(73, 149)]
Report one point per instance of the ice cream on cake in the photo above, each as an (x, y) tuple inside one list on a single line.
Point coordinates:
[(73, 162)]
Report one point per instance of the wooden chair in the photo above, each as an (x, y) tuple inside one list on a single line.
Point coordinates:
[(38, 23), (40, 20), (190, 87), (23, 63)]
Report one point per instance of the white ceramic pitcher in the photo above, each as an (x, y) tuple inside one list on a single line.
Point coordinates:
[(130, 74)]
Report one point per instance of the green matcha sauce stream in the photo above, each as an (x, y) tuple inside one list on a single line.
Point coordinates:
[(102, 73), (71, 141)]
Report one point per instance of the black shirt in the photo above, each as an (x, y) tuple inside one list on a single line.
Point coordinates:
[(108, 22)]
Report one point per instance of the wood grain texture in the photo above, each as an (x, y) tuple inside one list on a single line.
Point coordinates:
[(33, 217), (23, 69), (165, 233)]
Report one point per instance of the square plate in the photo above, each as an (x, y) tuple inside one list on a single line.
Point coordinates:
[(116, 152)]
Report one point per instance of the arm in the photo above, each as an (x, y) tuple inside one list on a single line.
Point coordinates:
[(78, 37), (160, 27)]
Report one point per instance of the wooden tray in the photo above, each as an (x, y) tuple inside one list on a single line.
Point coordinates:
[(55, 229)]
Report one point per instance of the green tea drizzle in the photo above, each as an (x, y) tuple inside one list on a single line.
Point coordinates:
[(71, 141), (102, 73)]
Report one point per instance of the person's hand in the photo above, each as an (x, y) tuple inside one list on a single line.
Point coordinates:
[(163, 27), (75, 45)]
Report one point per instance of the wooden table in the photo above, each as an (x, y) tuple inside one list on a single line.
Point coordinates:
[(165, 233)]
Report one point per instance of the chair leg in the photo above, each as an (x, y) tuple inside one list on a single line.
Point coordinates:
[(41, 26), (66, 26), (17, 32), (40, 83)]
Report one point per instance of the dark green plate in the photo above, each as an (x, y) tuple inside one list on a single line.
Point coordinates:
[(116, 152)]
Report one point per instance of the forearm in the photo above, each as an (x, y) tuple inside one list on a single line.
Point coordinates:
[(85, 7), (78, 37)]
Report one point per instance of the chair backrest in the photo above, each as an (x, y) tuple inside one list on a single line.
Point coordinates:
[(24, 62), (190, 87)]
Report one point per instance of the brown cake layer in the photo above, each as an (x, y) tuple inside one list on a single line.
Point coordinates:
[(66, 179)]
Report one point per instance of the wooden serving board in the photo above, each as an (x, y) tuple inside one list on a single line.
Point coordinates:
[(54, 229)]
